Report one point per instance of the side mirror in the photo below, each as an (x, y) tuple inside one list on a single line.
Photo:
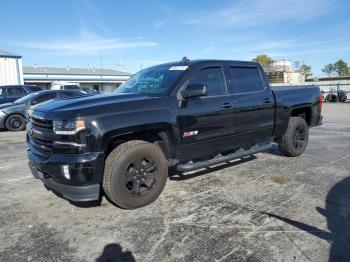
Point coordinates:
[(33, 102), (194, 90)]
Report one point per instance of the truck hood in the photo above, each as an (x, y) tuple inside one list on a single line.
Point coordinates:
[(77, 106)]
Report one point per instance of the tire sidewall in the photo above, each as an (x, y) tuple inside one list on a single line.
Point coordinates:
[(14, 129), (299, 122), (118, 170)]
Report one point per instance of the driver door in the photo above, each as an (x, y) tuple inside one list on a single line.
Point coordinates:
[(206, 122)]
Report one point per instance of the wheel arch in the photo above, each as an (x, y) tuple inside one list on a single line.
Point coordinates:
[(304, 112), (161, 134)]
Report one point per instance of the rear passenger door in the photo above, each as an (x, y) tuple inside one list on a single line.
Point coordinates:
[(253, 104)]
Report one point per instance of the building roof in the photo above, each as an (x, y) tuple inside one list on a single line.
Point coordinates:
[(4, 53), (72, 71), (329, 78)]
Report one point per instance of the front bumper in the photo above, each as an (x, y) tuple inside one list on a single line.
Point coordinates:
[(72, 193), (86, 172), (2, 119)]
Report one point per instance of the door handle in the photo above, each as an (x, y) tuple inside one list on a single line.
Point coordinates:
[(226, 105), (267, 101)]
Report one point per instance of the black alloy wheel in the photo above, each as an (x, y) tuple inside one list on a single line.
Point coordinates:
[(299, 137), (140, 176)]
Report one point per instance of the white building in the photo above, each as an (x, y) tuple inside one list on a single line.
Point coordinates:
[(283, 71), (102, 80), (282, 66), (10, 69)]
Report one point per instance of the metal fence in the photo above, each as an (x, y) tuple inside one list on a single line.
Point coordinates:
[(325, 87)]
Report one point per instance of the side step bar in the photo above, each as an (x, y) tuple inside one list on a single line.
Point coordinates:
[(221, 159)]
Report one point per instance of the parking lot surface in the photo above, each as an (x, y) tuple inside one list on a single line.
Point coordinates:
[(264, 208)]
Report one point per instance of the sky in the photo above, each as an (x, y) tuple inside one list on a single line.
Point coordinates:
[(139, 34)]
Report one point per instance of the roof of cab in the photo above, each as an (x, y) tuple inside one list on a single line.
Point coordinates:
[(188, 62)]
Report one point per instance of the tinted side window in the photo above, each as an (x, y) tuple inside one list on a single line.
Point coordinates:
[(69, 94), (2, 91), (43, 98), (15, 91), (245, 79), (213, 78)]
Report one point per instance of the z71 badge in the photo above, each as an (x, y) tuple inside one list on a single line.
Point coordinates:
[(190, 133)]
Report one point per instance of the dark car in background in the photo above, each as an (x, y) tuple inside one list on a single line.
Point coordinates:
[(12, 93), (12, 115)]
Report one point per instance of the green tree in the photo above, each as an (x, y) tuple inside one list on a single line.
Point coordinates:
[(328, 69), (306, 70), (341, 68), (264, 60)]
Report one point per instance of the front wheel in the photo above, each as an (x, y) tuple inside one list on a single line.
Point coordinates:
[(15, 122), (135, 174), (294, 141)]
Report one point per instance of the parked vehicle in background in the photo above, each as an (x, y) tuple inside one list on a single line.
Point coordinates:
[(63, 85), (188, 115), (331, 96), (336, 96), (12, 93), (342, 96), (12, 115)]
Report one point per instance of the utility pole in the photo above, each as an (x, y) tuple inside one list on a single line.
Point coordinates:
[(101, 70)]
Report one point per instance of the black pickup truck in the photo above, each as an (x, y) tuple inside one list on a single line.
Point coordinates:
[(184, 115)]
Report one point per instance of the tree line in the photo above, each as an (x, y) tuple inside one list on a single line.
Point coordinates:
[(339, 68)]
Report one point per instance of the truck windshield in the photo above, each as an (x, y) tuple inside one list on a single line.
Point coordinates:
[(152, 80)]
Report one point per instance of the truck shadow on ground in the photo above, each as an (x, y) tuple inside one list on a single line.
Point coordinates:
[(178, 176), (113, 253), (337, 213)]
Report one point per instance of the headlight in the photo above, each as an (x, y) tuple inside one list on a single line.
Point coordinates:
[(68, 127)]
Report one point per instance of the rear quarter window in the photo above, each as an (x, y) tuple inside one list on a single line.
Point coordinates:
[(245, 79)]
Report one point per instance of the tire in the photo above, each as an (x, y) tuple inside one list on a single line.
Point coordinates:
[(127, 182), (295, 139), (15, 122)]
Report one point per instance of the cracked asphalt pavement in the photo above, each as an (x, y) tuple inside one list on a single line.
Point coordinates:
[(264, 208)]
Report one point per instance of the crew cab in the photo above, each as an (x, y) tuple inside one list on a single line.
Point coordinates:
[(185, 115)]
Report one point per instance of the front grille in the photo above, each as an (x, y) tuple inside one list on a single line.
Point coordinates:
[(41, 123), (40, 144), (40, 134)]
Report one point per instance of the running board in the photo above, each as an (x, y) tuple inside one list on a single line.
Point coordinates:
[(221, 159)]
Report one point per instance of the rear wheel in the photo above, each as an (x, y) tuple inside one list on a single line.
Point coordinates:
[(15, 122), (135, 174), (294, 141)]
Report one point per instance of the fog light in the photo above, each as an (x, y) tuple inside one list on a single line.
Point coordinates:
[(65, 171)]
